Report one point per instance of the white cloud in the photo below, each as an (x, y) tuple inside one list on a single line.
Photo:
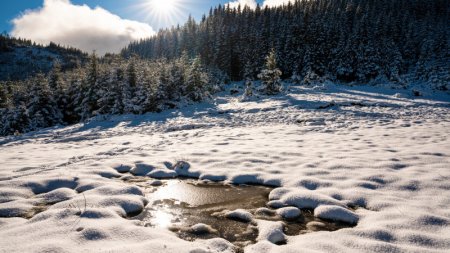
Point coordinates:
[(249, 3), (272, 3), (79, 26)]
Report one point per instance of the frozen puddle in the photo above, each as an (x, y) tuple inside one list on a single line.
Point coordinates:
[(202, 210)]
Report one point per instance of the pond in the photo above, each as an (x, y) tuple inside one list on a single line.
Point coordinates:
[(179, 204)]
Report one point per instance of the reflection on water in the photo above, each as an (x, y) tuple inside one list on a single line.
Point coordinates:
[(179, 204), (162, 219)]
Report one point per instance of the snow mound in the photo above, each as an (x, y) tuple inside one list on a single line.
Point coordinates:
[(201, 228), (336, 213), (11, 194), (261, 247), (155, 183), (271, 231), (114, 190), (141, 169), (212, 177), (183, 169), (277, 193), (15, 209), (275, 204), (58, 195), (162, 173), (46, 185), (122, 168), (264, 211), (305, 199), (87, 184), (129, 205), (289, 212), (240, 215), (247, 179), (220, 245)]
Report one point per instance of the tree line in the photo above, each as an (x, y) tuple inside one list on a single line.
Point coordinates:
[(109, 85), (338, 40)]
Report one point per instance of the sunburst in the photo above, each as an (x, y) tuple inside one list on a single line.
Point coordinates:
[(163, 13)]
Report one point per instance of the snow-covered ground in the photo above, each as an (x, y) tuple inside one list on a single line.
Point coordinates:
[(374, 156)]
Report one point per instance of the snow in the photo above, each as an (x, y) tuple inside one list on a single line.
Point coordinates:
[(162, 173), (385, 157), (275, 203), (289, 212), (239, 214), (336, 213), (141, 169), (201, 228), (271, 231), (155, 183), (122, 168)]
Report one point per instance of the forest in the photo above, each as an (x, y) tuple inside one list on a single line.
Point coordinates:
[(343, 41), (339, 40)]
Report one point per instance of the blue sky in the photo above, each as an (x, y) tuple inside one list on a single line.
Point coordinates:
[(123, 8), (107, 29)]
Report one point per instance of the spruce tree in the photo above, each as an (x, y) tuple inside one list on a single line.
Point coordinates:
[(196, 80), (270, 75)]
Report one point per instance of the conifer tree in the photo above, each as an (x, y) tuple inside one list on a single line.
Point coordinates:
[(270, 75), (196, 80)]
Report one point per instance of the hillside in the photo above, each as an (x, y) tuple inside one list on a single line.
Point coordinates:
[(21, 59)]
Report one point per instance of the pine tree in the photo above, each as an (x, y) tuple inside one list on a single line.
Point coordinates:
[(196, 80), (90, 89), (270, 76), (3, 96), (42, 108)]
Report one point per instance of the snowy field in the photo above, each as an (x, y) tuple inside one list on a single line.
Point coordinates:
[(375, 156)]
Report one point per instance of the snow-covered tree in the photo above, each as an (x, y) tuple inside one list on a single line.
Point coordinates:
[(42, 108), (270, 75), (196, 80)]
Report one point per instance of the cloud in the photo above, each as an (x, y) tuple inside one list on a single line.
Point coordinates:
[(249, 3), (79, 26), (272, 3)]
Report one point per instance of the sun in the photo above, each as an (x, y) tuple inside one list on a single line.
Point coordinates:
[(162, 13), (164, 7)]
